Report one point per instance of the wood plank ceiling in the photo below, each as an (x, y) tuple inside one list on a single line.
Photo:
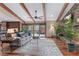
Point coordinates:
[(25, 12)]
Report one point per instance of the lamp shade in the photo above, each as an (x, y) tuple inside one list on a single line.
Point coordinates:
[(10, 31)]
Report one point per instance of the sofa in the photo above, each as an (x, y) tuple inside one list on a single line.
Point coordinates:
[(20, 41)]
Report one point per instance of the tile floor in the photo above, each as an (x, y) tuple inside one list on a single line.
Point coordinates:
[(44, 47)]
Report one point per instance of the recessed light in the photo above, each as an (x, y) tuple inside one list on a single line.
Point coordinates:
[(51, 15)]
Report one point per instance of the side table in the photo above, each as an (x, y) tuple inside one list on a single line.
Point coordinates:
[(6, 41)]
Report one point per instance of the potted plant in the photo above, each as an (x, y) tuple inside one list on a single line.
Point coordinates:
[(69, 37), (59, 31), (24, 30), (69, 34)]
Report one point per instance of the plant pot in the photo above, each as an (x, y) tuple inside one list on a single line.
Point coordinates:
[(71, 47)]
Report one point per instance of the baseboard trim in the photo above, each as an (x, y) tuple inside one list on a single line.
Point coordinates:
[(50, 36)]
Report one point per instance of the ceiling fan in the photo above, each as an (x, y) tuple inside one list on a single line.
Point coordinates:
[(36, 16)]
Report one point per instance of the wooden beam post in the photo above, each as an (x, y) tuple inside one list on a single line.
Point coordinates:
[(62, 11), (44, 12)]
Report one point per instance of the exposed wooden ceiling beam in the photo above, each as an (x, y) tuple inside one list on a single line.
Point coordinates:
[(62, 11), (25, 8), (11, 12)]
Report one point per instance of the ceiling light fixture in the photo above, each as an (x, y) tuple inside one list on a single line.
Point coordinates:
[(51, 15)]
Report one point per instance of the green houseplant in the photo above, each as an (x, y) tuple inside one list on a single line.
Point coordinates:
[(24, 30), (58, 30), (69, 37), (69, 34)]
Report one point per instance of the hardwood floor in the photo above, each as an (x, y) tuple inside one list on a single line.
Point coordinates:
[(62, 46)]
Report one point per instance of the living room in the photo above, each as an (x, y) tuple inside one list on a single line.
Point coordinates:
[(29, 29)]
